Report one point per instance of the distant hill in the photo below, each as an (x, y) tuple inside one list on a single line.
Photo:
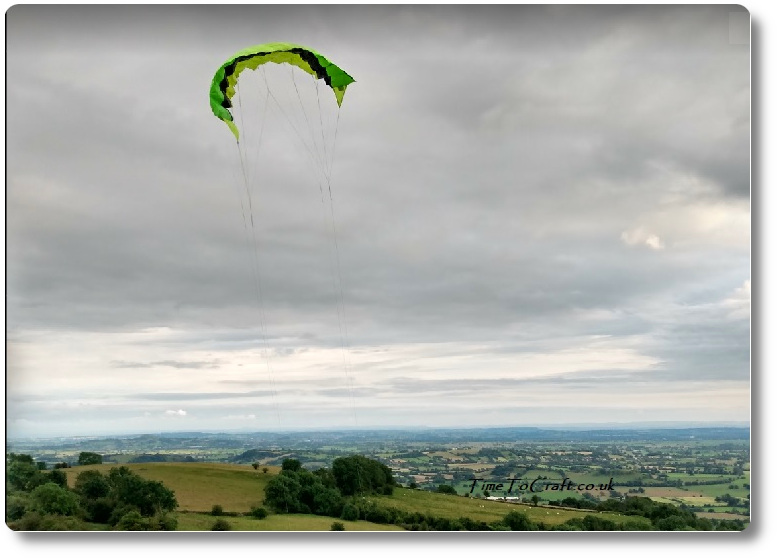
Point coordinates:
[(252, 455), (162, 458)]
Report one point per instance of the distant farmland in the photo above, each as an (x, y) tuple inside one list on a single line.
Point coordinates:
[(200, 486)]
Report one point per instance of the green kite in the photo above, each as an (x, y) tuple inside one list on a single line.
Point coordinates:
[(223, 86)]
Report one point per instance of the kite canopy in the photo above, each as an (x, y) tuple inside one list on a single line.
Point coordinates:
[(223, 86)]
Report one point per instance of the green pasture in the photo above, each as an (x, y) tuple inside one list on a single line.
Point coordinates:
[(453, 507), (198, 486)]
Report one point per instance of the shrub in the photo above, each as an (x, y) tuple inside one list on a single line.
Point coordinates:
[(217, 510), (350, 512), (58, 477), (337, 526), (163, 522), (518, 521), (258, 512), (89, 458), (100, 509), (34, 521), (16, 506), (221, 525), (119, 512), (132, 521), (51, 498)]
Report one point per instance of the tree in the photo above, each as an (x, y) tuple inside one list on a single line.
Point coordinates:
[(255, 466), (293, 465), (596, 523), (328, 501), (221, 525), (519, 521), (24, 475), (16, 505), (132, 521), (258, 512), (92, 485), (282, 494), (19, 458), (359, 475), (217, 510), (58, 477), (446, 489), (89, 458), (50, 498), (350, 512), (150, 497)]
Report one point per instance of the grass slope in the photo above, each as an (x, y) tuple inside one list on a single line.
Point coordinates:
[(198, 486), (453, 507)]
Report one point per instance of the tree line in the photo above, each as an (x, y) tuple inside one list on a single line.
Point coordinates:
[(343, 492), (40, 500)]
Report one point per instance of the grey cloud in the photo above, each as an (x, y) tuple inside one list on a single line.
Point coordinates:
[(488, 160), (589, 380), (196, 365), (205, 396)]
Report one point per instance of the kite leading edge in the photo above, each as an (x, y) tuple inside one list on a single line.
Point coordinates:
[(223, 86)]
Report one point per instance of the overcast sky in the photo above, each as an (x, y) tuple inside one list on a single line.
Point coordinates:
[(542, 216)]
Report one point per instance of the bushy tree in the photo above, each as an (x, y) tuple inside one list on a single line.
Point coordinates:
[(57, 476), (596, 523), (328, 501), (92, 485), (359, 475), (519, 521), (36, 521), (258, 512), (291, 465), (19, 458), (221, 525), (16, 505), (22, 474), (350, 512), (132, 521), (50, 498), (164, 522), (148, 496), (89, 458), (300, 491), (107, 499), (282, 494)]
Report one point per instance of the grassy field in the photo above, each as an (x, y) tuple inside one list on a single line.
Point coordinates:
[(198, 486), (453, 507)]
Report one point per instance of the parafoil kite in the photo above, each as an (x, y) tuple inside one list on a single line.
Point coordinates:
[(275, 91), (223, 86)]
